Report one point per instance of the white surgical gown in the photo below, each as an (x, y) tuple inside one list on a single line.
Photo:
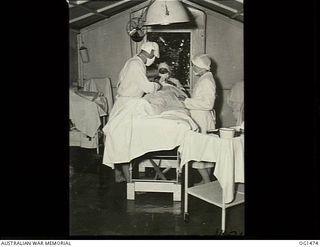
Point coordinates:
[(235, 100), (132, 84), (201, 107), (133, 81)]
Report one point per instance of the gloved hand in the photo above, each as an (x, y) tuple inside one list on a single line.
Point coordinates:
[(181, 97), (159, 86)]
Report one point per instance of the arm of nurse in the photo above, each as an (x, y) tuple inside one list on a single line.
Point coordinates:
[(203, 98), (142, 81)]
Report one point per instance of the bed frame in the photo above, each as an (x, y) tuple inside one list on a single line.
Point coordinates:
[(156, 185)]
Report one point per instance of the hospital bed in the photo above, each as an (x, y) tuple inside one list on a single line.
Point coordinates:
[(85, 119), (160, 183), (89, 108), (142, 128), (102, 85)]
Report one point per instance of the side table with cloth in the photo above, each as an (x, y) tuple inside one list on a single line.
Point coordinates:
[(228, 154)]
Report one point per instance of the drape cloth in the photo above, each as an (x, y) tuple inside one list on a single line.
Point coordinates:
[(227, 153), (236, 101), (136, 127), (84, 114), (102, 85)]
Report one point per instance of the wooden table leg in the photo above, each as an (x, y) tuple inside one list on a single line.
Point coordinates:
[(158, 171)]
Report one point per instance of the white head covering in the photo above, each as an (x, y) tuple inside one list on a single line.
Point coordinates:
[(149, 46), (202, 61), (163, 65)]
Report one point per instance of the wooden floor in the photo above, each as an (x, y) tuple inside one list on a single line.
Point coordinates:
[(98, 207)]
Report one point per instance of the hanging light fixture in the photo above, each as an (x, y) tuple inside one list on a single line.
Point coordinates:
[(84, 54), (165, 12)]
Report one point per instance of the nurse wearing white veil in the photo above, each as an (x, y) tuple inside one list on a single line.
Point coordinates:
[(132, 85), (201, 106)]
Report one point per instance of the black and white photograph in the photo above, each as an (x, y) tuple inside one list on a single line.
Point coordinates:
[(148, 120), (156, 118)]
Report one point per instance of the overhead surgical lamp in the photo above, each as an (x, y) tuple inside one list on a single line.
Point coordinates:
[(165, 12)]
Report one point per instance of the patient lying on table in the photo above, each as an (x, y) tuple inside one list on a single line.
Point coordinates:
[(166, 99), (165, 77), (165, 105)]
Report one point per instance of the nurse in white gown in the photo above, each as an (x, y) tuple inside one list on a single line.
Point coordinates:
[(201, 106), (133, 83)]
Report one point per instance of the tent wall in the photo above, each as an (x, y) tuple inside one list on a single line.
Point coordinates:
[(73, 57), (224, 43), (109, 47)]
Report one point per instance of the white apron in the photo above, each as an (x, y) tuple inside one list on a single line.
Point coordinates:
[(201, 108)]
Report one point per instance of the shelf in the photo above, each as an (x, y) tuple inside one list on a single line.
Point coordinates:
[(212, 193)]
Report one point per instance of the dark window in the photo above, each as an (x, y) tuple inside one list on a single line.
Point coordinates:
[(175, 51)]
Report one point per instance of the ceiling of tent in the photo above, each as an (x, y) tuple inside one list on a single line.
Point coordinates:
[(85, 13)]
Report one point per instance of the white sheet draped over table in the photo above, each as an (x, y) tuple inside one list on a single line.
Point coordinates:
[(84, 114), (135, 128), (227, 153), (102, 85)]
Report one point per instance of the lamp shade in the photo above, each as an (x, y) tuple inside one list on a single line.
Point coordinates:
[(165, 12)]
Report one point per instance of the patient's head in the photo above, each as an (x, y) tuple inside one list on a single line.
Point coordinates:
[(164, 71)]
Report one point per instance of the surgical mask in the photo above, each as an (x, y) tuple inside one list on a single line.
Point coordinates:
[(198, 73), (164, 76), (150, 61)]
